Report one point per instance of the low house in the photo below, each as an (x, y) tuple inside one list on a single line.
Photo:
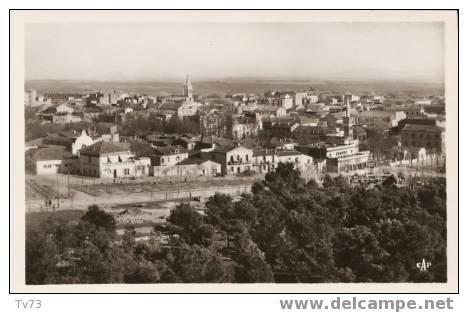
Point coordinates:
[(64, 108), (65, 118), (53, 160)]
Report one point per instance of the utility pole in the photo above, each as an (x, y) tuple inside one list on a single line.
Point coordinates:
[(58, 191), (68, 182)]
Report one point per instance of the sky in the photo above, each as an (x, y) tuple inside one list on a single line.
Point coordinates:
[(86, 51)]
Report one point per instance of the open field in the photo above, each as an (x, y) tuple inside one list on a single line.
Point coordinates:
[(77, 193)]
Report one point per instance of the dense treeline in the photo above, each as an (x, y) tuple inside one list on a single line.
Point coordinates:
[(36, 129), (143, 125), (287, 230), (132, 125)]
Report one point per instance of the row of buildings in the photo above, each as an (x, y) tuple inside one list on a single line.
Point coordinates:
[(186, 156), (325, 133)]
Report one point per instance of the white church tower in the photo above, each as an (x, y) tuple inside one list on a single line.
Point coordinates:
[(188, 90)]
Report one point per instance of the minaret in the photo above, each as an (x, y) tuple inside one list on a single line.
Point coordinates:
[(188, 90), (348, 127)]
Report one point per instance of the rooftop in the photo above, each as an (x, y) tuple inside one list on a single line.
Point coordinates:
[(170, 150), (102, 148), (422, 127), (52, 153)]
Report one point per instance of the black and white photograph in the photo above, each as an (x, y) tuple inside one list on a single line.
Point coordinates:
[(234, 148)]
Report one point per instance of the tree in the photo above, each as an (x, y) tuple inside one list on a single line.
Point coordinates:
[(99, 218), (195, 264), (145, 272), (251, 266)]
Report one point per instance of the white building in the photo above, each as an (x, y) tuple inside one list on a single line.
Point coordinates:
[(287, 101), (53, 160), (109, 160), (81, 142), (64, 108)]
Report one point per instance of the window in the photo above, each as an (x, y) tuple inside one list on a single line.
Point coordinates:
[(126, 171), (247, 158)]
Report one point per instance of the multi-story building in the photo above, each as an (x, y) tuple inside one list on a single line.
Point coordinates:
[(287, 101), (312, 134), (300, 98), (342, 154), (413, 112), (278, 128), (267, 160), (233, 160), (242, 126), (379, 119), (109, 160), (191, 166), (239, 159), (431, 137), (212, 123), (168, 156), (265, 111)]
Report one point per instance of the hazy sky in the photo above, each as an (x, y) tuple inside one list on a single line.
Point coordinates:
[(207, 50)]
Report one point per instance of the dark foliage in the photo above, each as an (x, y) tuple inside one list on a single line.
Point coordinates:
[(287, 230)]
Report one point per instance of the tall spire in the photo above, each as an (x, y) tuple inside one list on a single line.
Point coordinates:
[(348, 127), (348, 108), (188, 89)]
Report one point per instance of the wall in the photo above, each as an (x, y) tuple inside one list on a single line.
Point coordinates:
[(48, 167), (207, 168)]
